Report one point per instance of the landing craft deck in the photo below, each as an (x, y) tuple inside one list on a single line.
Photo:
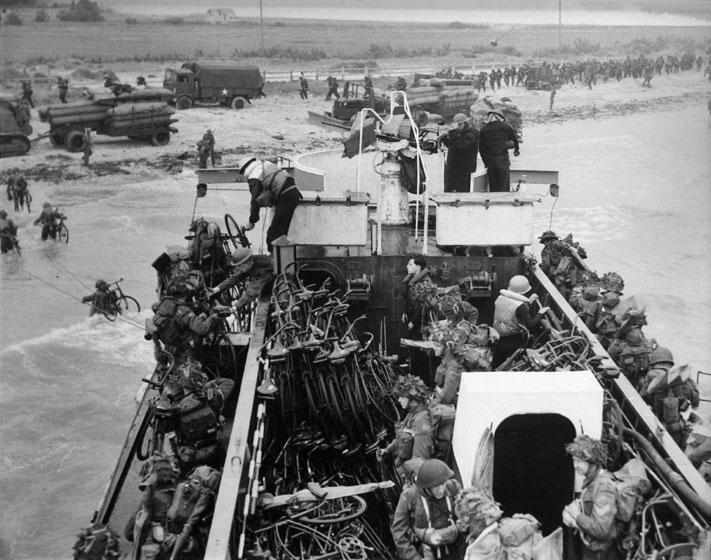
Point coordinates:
[(283, 437)]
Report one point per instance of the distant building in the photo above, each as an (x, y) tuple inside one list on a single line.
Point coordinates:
[(221, 15)]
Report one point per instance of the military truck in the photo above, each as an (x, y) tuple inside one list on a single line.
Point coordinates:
[(230, 84), (14, 128), (140, 114)]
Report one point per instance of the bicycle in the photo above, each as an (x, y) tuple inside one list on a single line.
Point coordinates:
[(121, 303), (62, 230)]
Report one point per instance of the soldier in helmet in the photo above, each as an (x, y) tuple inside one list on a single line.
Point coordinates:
[(515, 315), (661, 361), (49, 218), (177, 326), (630, 349), (477, 517), (496, 138), (551, 253), (413, 436), (462, 143), (607, 323), (585, 300), (8, 233), (424, 525), (208, 140), (103, 300), (594, 513), (256, 271), (674, 393), (27, 92)]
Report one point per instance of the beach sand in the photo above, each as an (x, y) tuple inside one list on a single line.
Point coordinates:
[(278, 125)]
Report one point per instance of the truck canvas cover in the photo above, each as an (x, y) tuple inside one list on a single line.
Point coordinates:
[(219, 75)]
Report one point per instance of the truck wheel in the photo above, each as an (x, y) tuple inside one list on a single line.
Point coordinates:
[(183, 103), (56, 139), (160, 138), (74, 141), (238, 103)]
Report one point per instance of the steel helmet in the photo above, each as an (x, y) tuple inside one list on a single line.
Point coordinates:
[(475, 504), (519, 284), (46, 205), (412, 387), (498, 114), (588, 449), (3, 214), (610, 299), (459, 118), (547, 235), (433, 472), (591, 293), (661, 355), (240, 256), (101, 284)]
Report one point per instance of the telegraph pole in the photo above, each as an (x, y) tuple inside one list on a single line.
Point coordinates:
[(261, 24), (560, 43)]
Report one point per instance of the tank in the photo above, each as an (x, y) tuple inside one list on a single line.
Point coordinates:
[(316, 360), (14, 128)]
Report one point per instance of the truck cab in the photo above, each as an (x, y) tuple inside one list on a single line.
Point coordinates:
[(232, 85)]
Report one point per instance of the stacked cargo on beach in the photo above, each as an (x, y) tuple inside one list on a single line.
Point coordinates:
[(136, 114)]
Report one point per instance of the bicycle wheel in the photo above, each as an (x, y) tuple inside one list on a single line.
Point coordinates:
[(236, 232), (63, 233), (128, 304), (110, 315), (286, 401), (224, 355), (338, 510)]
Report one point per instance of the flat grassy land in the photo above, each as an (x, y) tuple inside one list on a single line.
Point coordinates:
[(293, 43)]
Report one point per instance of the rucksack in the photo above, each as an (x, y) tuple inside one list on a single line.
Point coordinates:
[(203, 482), (631, 483), (442, 420), (97, 542), (197, 420), (518, 535)]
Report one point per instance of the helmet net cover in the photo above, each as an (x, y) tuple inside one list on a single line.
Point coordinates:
[(588, 449), (412, 387), (475, 505)]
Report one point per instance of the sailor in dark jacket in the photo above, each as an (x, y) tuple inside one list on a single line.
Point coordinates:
[(496, 137), (463, 144), (270, 186)]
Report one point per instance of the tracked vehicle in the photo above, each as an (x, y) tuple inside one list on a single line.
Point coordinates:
[(14, 129)]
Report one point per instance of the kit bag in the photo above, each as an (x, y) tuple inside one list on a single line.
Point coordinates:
[(197, 420)]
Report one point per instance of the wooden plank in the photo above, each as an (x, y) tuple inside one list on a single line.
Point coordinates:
[(221, 528)]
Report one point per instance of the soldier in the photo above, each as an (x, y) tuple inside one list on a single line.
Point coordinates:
[(203, 152), (49, 218), (630, 349), (256, 270), (413, 436), (88, 146), (369, 90), (332, 88), (401, 84), (477, 517), (607, 323), (674, 393), (8, 234), (424, 525), (27, 92), (304, 85), (209, 140), (515, 315), (63, 86), (102, 300), (586, 302), (141, 82), (551, 253), (176, 325), (594, 513), (463, 145), (17, 191)]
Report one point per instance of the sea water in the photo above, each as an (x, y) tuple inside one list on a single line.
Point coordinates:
[(635, 191)]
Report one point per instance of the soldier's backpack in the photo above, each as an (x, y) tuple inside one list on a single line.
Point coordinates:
[(631, 483), (97, 542), (202, 482), (197, 420), (442, 420), (519, 534)]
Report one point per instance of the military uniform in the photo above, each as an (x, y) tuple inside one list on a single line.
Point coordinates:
[(413, 438), (415, 514), (597, 520)]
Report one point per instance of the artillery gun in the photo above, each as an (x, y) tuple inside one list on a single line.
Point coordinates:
[(14, 128), (137, 114)]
